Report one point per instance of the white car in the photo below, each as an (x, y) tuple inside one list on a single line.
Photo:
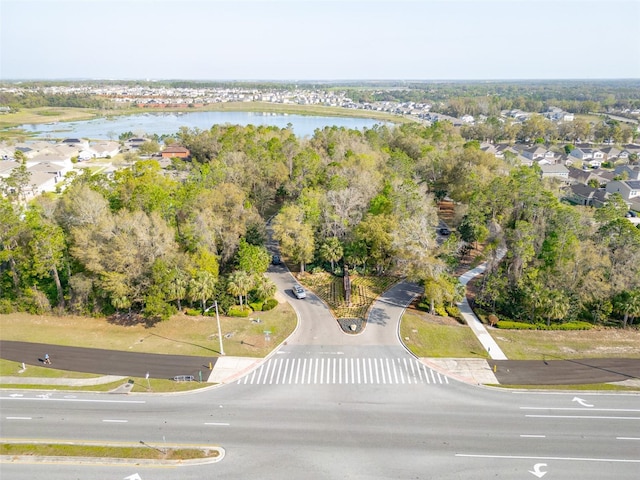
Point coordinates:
[(299, 292)]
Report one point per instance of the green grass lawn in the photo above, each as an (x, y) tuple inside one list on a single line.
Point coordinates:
[(428, 339), (556, 344), (180, 335)]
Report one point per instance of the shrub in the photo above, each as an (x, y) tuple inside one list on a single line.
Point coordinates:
[(454, 312), (256, 306), (511, 325), (6, 306), (424, 305), (440, 310), (192, 312), (269, 304), (238, 311), (577, 325)]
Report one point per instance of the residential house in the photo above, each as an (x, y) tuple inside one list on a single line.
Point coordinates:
[(589, 156), (628, 189), (555, 171), (535, 152), (611, 154), (104, 149), (581, 176), (175, 151), (627, 172), (581, 194)]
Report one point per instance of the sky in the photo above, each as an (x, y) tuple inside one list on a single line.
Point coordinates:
[(319, 39)]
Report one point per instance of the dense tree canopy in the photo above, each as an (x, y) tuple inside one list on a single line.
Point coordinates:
[(148, 240)]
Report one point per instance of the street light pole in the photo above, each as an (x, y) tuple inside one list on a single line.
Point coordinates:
[(219, 330)]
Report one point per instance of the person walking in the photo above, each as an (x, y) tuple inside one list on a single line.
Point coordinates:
[(47, 360)]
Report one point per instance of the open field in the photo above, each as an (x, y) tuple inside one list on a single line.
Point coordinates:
[(47, 115)]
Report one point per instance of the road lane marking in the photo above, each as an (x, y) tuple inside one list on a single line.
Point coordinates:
[(573, 459), (281, 361), (19, 418), (217, 424), (627, 438), (583, 416), (371, 373), (582, 409), (533, 436), (49, 399), (298, 370), (110, 420)]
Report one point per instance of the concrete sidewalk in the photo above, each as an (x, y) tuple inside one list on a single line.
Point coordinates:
[(476, 326)]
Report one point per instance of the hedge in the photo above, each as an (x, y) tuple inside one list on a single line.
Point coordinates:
[(238, 311), (269, 304), (511, 325)]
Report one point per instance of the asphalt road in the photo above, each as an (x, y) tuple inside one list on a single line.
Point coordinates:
[(107, 362), (329, 407)]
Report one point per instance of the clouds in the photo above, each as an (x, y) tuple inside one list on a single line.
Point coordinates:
[(352, 39)]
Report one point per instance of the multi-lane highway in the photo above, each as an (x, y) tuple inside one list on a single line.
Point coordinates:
[(328, 405)]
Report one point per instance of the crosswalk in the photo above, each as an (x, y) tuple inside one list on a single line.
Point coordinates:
[(342, 371)]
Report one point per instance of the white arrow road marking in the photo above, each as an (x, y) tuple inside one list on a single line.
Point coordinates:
[(536, 470), (581, 402), (135, 476)]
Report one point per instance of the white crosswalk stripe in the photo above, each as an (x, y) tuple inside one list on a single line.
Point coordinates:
[(343, 371)]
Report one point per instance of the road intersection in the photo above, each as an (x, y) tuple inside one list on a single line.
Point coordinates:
[(327, 405)]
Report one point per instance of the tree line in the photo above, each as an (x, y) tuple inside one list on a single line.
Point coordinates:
[(150, 241)]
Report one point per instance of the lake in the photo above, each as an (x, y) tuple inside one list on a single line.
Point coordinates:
[(106, 128)]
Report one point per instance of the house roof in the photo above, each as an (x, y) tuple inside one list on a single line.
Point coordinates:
[(582, 190), (554, 168), (601, 195), (175, 149)]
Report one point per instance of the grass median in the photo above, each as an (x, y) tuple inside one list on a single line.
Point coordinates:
[(141, 451)]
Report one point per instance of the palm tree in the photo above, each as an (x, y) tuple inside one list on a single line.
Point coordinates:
[(331, 251), (628, 303), (178, 288), (202, 286), (555, 306), (239, 284), (264, 286)]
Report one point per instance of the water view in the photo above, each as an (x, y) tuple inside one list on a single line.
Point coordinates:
[(168, 123)]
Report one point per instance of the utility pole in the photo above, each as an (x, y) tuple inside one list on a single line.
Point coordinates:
[(215, 304), (219, 330)]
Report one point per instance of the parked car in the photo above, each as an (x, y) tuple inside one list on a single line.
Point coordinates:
[(299, 292), (276, 260), (445, 231)]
